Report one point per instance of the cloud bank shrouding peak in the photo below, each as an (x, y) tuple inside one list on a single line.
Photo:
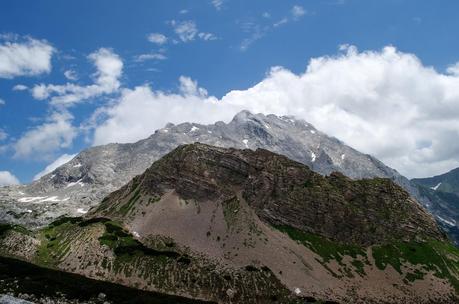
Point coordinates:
[(109, 69), (24, 57), (7, 179), (386, 103)]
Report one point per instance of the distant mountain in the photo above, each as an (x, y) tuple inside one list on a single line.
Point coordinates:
[(443, 191), (244, 226), (81, 183)]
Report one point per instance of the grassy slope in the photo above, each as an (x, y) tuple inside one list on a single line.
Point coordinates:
[(442, 258)]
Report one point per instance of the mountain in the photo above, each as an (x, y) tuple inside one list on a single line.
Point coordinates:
[(82, 183), (244, 226), (443, 190)]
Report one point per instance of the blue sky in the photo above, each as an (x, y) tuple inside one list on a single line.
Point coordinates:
[(221, 46)]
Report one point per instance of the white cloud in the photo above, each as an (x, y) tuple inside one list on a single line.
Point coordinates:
[(2, 102), (266, 15), (42, 141), (386, 103), (106, 81), (151, 56), (63, 159), (20, 87), (30, 57), (3, 135), (7, 179), (187, 31), (183, 11), (157, 38), (71, 75), (207, 36), (280, 22), (218, 4), (298, 12)]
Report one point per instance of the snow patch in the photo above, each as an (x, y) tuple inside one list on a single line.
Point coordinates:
[(194, 128), (78, 182), (82, 211), (436, 187), (30, 199), (297, 291), (246, 142), (343, 156), (77, 166), (312, 131), (136, 234), (450, 223), (210, 132), (29, 211), (41, 199), (313, 156)]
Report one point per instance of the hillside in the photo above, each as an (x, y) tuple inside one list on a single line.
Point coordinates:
[(243, 226)]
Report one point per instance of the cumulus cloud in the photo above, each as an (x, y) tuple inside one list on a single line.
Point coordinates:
[(7, 179), (385, 103), (30, 57), (2, 102), (157, 38), (106, 81), (63, 159), (42, 141)]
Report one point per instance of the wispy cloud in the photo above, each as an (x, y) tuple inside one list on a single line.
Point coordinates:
[(257, 31), (20, 87), (71, 75), (187, 31), (157, 38), (280, 22), (297, 12), (150, 56), (218, 4)]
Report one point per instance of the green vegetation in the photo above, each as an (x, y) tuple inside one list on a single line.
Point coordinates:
[(134, 198), (439, 257), (230, 209), (55, 241), (329, 250), (123, 243), (7, 227)]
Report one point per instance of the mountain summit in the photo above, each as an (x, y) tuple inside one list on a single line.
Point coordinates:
[(244, 226), (80, 184)]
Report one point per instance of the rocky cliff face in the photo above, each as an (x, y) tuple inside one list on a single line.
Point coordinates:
[(81, 183), (243, 226), (443, 191)]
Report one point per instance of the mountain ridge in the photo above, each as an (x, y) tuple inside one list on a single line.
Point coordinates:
[(80, 184), (233, 226)]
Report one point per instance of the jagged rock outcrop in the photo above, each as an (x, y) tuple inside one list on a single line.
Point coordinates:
[(243, 226)]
